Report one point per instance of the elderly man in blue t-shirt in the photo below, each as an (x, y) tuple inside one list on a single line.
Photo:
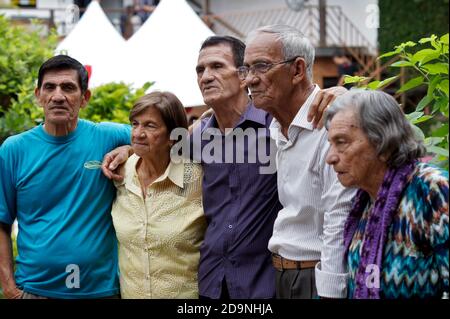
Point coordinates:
[(66, 243)]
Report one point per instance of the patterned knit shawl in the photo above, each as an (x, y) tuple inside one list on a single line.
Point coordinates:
[(385, 207)]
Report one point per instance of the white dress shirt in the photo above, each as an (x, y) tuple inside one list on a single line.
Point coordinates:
[(316, 205)]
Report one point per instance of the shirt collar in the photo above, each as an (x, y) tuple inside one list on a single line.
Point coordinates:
[(251, 114), (300, 119), (174, 172)]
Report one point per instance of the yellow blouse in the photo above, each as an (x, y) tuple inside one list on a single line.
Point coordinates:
[(160, 236)]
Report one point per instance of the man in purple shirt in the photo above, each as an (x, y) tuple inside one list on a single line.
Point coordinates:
[(240, 201)]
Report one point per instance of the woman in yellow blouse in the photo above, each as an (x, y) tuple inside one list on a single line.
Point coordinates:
[(158, 214)]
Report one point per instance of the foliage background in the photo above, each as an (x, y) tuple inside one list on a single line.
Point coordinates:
[(401, 21), (22, 51)]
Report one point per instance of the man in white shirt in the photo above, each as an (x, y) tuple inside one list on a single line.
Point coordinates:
[(307, 240)]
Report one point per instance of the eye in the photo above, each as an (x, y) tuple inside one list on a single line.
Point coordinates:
[(134, 124), (217, 65), (199, 70), (49, 86), (261, 67), (69, 87)]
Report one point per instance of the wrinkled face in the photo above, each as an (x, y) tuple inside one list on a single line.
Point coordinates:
[(149, 134), (352, 156), (60, 96), (268, 90), (217, 75)]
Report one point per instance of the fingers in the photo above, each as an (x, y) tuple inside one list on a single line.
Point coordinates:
[(320, 104), (116, 177), (318, 107), (107, 159), (315, 104)]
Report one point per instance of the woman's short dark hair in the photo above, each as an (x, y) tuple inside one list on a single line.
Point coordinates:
[(169, 106), (64, 62), (384, 123)]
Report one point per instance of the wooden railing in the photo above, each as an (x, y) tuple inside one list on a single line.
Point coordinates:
[(340, 30)]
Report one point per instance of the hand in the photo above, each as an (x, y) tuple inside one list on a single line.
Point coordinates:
[(323, 99), (14, 293), (113, 159)]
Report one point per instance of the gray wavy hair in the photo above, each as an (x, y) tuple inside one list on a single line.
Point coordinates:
[(384, 123), (293, 41)]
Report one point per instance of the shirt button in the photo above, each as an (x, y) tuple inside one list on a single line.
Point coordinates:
[(147, 277), (230, 226)]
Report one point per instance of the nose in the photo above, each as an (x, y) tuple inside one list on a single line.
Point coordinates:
[(251, 78), (138, 132), (206, 76), (58, 95), (332, 157)]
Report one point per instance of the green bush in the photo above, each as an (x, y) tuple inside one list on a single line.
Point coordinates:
[(22, 51), (401, 21), (427, 61), (112, 102)]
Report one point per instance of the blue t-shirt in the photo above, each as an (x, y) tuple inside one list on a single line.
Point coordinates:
[(66, 243)]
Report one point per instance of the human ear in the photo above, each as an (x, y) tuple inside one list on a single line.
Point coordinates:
[(299, 70)]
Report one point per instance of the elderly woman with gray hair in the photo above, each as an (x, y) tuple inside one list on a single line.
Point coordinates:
[(396, 235)]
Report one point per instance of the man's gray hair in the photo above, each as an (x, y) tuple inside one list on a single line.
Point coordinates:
[(294, 44), (384, 123)]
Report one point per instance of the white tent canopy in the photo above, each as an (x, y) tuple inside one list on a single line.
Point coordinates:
[(95, 42), (165, 50)]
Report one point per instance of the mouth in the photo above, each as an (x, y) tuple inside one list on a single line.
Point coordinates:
[(253, 92), (59, 108), (139, 144), (209, 88)]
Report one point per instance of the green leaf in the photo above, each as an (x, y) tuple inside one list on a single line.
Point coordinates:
[(430, 39), (354, 79), (443, 86), (441, 131), (411, 84), (436, 68), (424, 102), (401, 64), (432, 141), (441, 105), (405, 45), (434, 81), (422, 119), (438, 150), (413, 116), (425, 55), (444, 39), (373, 85), (391, 53), (387, 81)]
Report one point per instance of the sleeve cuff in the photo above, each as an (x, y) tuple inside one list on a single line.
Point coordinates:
[(331, 285)]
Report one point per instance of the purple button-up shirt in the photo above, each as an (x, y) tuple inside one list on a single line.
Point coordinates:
[(240, 205)]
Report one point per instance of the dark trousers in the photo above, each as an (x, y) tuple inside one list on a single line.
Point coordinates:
[(296, 284), (224, 294)]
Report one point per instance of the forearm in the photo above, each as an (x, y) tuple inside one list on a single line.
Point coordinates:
[(7, 280)]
